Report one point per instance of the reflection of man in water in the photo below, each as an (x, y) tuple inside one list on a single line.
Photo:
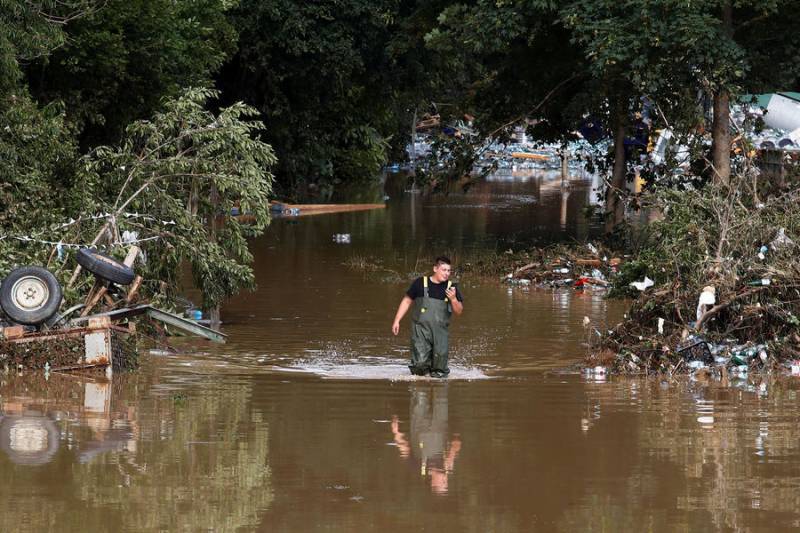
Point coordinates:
[(434, 298), (428, 440)]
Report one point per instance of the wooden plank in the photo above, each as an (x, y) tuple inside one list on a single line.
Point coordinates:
[(133, 290), (93, 299), (528, 155), (336, 207), (319, 209), (13, 332)]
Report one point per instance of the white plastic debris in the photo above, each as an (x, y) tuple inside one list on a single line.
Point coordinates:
[(695, 365), (781, 239), (660, 326), (643, 285), (708, 297), (130, 236)]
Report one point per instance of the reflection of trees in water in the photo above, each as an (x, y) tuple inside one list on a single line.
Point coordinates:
[(166, 463), (738, 471)]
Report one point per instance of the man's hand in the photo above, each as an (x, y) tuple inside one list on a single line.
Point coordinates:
[(396, 328), (451, 296)]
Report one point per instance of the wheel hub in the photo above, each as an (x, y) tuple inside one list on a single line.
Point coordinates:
[(30, 293)]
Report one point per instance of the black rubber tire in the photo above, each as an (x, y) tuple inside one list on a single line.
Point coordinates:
[(105, 267), (37, 278)]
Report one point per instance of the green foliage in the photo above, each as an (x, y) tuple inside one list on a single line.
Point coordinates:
[(119, 61), (32, 29), (36, 156), (334, 80), (185, 170), (512, 55)]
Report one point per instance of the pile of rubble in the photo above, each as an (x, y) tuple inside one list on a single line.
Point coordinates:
[(721, 288), (562, 266), (98, 333)]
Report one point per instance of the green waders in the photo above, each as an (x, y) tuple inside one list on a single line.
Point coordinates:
[(429, 322)]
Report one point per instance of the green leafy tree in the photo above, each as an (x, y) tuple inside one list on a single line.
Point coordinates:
[(673, 50), (32, 29), (321, 75), (37, 156), (119, 61), (174, 180)]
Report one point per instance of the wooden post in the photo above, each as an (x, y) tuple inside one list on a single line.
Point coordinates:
[(93, 298), (133, 290)]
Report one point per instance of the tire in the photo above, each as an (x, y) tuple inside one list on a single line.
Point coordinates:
[(30, 295), (105, 267)]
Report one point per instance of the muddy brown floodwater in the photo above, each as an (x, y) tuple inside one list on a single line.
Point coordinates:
[(307, 420)]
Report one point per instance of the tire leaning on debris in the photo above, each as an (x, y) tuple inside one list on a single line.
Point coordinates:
[(105, 267), (30, 295)]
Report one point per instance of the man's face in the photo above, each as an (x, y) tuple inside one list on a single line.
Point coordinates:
[(442, 271)]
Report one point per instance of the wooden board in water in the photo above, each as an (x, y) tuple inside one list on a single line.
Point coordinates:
[(322, 209)]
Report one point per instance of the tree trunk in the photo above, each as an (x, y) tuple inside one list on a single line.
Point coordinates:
[(615, 207), (721, 135), (721, 128)]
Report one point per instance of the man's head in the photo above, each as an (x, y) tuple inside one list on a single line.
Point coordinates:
[(441, 269)]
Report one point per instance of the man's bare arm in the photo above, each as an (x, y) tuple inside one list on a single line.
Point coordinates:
[(402, 309)]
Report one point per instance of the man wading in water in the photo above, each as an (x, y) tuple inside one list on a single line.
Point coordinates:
[(434, 299)]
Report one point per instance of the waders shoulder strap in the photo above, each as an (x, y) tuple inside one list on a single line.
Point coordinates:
[(425, 286)]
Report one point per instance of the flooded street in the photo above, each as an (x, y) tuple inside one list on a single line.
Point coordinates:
[(308, 420)]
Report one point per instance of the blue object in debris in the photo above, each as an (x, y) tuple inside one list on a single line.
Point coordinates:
[(197, 314), (234, 211)]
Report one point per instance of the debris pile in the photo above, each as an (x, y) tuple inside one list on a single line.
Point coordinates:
[(724, 286), (34, 334), (580, 267)]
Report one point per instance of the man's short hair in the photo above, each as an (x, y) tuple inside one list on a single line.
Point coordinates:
[(442, 260)]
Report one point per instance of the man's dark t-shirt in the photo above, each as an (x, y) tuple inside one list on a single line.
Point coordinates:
[(435, 290)]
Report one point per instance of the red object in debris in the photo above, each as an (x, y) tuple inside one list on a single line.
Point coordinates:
[(580, 282)]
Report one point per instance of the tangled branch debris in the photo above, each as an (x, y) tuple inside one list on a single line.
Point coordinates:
[(726, 291)]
